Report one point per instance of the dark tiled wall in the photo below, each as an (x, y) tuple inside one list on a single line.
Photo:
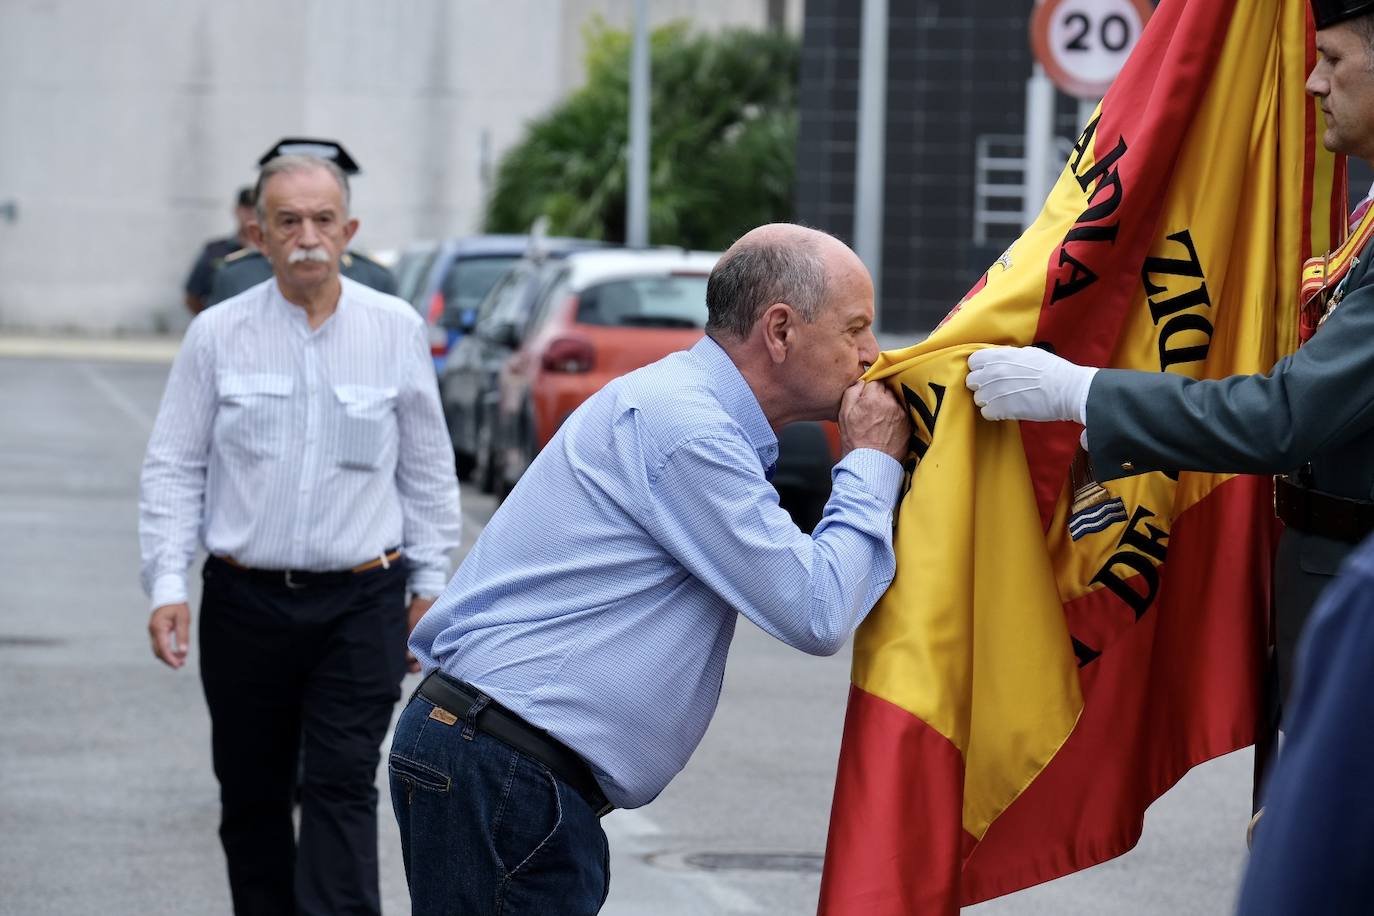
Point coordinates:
[(957, 69)]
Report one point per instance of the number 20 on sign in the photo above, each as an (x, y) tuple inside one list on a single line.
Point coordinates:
[(1082, 44)]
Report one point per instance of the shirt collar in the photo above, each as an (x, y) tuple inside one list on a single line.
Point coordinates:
[(296, 315), (738, 399)]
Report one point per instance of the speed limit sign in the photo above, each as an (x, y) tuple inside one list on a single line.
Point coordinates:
[(1082, 44)]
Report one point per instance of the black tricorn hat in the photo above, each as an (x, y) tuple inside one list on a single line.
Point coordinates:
[(329, 149), (1329, 12)]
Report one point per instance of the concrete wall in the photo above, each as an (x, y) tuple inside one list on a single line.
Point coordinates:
[(126, 127)]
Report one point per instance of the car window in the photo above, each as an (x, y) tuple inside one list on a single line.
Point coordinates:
[(673, 301), (468, 280), (515, 308), (411, 272), (497, 302), (555, 290), (417, 293)]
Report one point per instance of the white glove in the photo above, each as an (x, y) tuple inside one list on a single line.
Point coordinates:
[(1028, 383)]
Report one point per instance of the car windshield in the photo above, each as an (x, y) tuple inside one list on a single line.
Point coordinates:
[(410, 272), (673, 301), (468, 281)]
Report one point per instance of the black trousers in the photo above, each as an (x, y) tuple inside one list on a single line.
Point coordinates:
[(310, 674)]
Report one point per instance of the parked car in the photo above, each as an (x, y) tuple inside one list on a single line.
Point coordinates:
[(600, 314), (460, 273), (468, 384), (412, 267)]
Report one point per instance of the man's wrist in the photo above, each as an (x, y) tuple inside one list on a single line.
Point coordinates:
[(168, 588), (876, 472)]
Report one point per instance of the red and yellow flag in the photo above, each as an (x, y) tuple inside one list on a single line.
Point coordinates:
[(1053, 655)]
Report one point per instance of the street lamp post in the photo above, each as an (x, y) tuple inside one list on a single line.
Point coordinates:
[(637, 192)]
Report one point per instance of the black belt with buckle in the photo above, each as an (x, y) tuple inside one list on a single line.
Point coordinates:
[(303, 578), (1314, 512), (457, 699)]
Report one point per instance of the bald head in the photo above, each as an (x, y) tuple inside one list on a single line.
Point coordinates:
[(779, 262)]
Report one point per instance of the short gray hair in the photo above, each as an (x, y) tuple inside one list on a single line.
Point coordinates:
[(296, 163), (1364, 27), (749, 278)]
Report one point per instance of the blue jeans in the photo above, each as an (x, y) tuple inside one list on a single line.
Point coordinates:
[(488, 831)]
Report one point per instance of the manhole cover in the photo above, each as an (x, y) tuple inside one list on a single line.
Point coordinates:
[(24, 642), (807, 862)]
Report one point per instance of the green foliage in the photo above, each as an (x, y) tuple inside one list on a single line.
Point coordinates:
[(723, 128)]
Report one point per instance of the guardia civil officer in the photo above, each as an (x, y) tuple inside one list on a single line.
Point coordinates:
[(201, 278), (247, 266), (1310, 419)]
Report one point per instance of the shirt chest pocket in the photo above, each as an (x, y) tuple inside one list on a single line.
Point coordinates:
[(254, 413), (366, 422)]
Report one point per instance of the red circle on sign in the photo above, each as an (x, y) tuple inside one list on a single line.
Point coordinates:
[(1075, 84)]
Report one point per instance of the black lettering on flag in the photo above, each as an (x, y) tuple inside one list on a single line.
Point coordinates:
[(1080, 278), (1184, 354), (1090, 225), (1086, 653), (1106, 176), (1174, 267), (1174, 307), (1085, 142), (923, 415), (1138, 546)]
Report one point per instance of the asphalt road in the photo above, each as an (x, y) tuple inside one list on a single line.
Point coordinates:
[(108, 804)]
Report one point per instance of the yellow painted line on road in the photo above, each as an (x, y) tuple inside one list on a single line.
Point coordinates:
[(114, 349)]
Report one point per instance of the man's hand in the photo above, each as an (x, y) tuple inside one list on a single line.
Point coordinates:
[(170, 631), (418, 606), (871, 417), (1028, 383)]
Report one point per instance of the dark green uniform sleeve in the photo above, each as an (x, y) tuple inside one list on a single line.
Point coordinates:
[(1318, 400), (369, 273), (233, 277)]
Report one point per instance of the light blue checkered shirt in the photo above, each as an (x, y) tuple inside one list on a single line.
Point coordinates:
[(600, 601)]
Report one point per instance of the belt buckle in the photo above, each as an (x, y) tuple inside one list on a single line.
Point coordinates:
[(286, 576)]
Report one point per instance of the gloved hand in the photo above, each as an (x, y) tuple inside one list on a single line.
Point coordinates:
[(1028, 383)]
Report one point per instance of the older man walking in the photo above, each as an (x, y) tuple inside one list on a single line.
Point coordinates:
[(300, 439)]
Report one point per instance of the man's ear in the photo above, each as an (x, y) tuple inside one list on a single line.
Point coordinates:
[(350, 229), (254, 230), (777, 322)]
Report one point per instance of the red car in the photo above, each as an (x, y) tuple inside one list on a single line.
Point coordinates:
[(606, 313)]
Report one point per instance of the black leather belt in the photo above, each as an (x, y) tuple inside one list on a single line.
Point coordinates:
[(458, 699), (303, 578), (1314, 512)]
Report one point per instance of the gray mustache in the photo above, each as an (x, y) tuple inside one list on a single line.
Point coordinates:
[(308, 254)]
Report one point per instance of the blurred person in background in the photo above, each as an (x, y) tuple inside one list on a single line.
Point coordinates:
[(301, 441), (215, 251), (573, 668)]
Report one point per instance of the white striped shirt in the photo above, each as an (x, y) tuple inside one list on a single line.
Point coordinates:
[(291, 448)]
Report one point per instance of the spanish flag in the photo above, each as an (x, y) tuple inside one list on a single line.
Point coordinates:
[(1053, 654)]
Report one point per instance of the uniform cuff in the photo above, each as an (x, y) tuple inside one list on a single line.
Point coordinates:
[(169, 588)]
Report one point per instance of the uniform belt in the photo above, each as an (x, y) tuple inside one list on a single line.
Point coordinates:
[(1314, 512), (458, 700), (300, 578)]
